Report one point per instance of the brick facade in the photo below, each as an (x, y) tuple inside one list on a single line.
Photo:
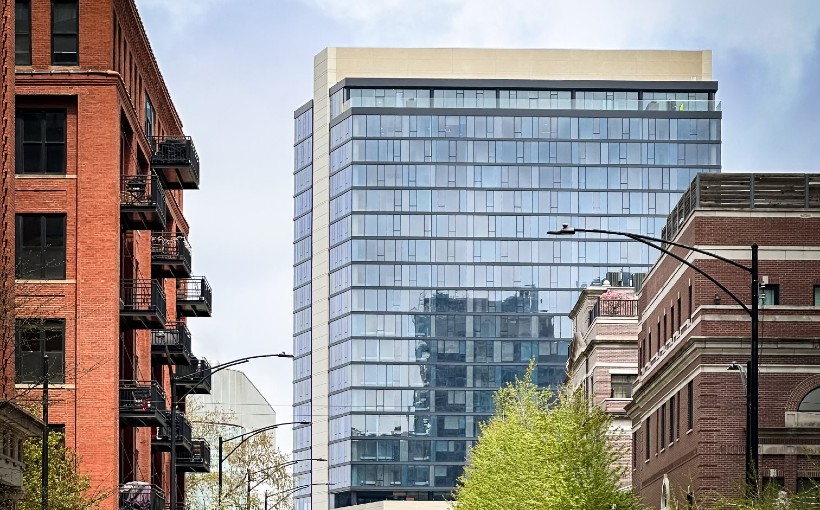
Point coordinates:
[(690, 333), (7, 101), (605, 344), (104, 98)]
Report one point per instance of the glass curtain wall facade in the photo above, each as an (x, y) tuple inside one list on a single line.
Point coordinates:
[(443, 282), (302, 289)]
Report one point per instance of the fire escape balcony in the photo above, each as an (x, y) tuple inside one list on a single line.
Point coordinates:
[(142, 404), (172, 345), (142, 304), (161, 441), (193, 297), (170, 256), (175, 159), (198, 461), (194, 378), (142, 202), (142, 496)]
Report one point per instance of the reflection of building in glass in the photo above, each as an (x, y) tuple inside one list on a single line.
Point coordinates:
[(425, 183)]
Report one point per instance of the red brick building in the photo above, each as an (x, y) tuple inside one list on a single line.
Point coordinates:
[(103, 266), (15, 424), (603, 358), (689, 410), (7, 202)]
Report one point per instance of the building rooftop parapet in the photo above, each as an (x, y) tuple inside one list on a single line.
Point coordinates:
[(744, 191)]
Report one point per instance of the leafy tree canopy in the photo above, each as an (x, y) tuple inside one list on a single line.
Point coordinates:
[(544, 451)]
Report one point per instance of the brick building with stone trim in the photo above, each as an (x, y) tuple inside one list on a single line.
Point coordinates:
[(688, 410), (603, 358), (103, 265)]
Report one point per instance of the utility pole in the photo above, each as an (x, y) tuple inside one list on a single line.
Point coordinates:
[(219, 494), (44, 493), (248, 501)]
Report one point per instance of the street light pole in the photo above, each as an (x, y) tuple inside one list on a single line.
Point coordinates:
[(248, 499), (219, 492), (752, 394), (754, 369)]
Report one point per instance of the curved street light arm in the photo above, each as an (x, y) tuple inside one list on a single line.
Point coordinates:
[(214, 369), (221, 423), (292, 490), (286, 464), (255, 432), (567, 230), (278, 466), (697, 269)]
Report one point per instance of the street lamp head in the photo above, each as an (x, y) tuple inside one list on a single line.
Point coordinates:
[(735, 366), (319, 459), (303, 422), (566, 230)]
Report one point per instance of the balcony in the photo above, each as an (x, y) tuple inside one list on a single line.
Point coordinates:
[(142, 304), (170, 256), (614, 308), (175, 159), (141, 496), (198, 461), (161, 441), (142, 404), (193, 297), (195, 378), (172, 345), (142, 203)]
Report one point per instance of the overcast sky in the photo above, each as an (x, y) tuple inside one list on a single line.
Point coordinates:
[(237, 69)]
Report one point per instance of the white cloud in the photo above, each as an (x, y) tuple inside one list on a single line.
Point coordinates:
[(782, 34), (179, 13)]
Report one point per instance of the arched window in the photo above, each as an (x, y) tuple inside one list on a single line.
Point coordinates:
[(811, 402)]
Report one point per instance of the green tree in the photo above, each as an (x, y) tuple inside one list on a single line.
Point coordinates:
[(68, 489), (543, 451)]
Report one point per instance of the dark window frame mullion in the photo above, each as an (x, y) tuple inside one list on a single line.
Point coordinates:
[(75, 33), (43, 144), (27, 33), (48, 324), (43, 245)]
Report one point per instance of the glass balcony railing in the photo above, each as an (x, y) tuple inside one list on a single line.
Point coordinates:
[(670, 105)]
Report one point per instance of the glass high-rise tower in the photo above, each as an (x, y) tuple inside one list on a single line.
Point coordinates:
[(425, 183)]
